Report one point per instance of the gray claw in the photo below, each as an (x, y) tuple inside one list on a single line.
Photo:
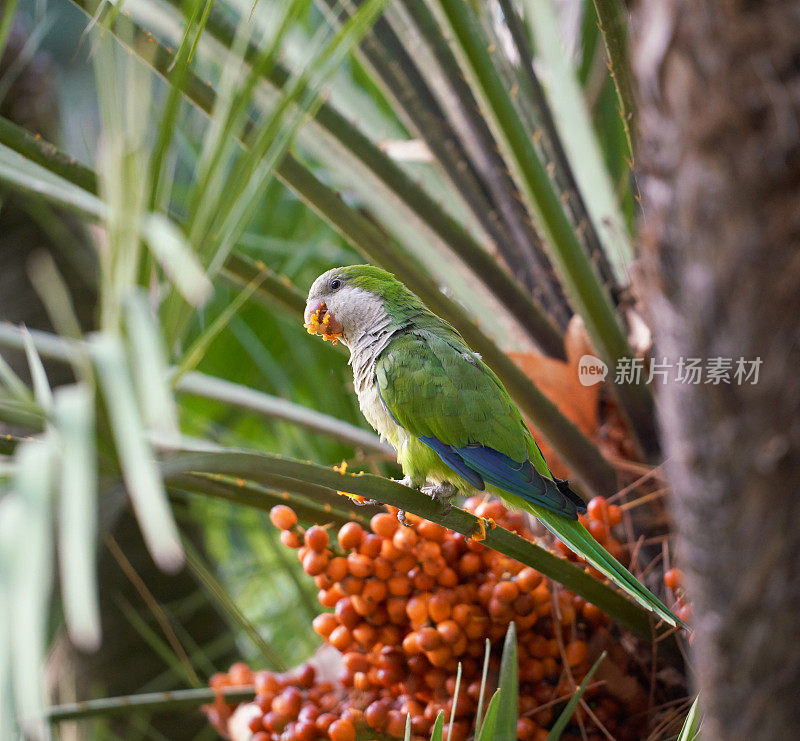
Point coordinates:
[(401, 517), (444, 493)]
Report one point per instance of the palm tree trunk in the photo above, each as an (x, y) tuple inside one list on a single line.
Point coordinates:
[(719, 170)]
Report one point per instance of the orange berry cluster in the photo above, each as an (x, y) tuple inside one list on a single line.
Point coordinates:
[(409, 604)]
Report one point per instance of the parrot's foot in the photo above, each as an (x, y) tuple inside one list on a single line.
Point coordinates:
[(365, 502), (443, 493), (401, 518)]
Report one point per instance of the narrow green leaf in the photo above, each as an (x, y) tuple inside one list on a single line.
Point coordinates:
[(565, 715), (613, 21), (41, 386), (148, 359), (437, 732), (172, 250), (142, 479), (145, 702), (23, 173), (484, 675), (455, 701), (691, 726), (32, 582), (407, 735), (577, 134), (243, 397), (488, 730), (13, 383), (12, 530), (77, 526), (508, 686)]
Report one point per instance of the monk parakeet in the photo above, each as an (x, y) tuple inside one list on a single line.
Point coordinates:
[(453, 424)]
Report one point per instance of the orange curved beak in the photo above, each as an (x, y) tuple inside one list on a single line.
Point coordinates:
[(318, 320)]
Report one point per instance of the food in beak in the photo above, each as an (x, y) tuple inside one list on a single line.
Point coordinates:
[(321, 321)]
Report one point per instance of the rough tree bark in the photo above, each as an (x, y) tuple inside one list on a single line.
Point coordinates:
[(719, 170)]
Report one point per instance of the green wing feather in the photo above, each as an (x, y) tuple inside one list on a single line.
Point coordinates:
[(434, 386)]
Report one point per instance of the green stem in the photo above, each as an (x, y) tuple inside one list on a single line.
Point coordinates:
[(612, 17), (151, 701), (267, 469)]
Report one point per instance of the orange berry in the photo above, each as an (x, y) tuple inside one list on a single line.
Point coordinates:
[(240, 673), (337, 568), (614, 515), (290, 538), (283, 517), (685, 612), (422, 581), (346, 614), (382, 568), (316, 538), (342, 730), (396, 609), (364, 634), (361, 606), (377, 713), (506, 591), (399, 585), (493, 509), (325, 624), (575, 652), (469, 564), (429, 638), (439, 656), (359, 565), (374, 590), (526, 729), (528, 579), (439, 608), (350, 535), (384, 524), (597, 509), (411, 643), (449, 631), (405, 539), (288, 703), (352, 584), (431, 531), (598, 529), (340, 638), (673, 579), (447, 577), (315, 563), (371, 545)]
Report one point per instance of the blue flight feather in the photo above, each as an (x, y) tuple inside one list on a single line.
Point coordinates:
[(451, 457)]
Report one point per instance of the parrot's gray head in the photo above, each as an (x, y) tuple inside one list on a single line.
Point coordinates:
[(348, 304)]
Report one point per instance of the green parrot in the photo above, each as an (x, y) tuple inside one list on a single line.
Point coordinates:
[(448, 416)]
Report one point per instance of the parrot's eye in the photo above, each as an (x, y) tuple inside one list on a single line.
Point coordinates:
[(336, 284)]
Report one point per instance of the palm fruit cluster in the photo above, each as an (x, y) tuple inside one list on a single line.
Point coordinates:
[(405, 606)]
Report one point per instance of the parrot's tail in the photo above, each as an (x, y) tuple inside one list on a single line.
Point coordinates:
[(580, 540), (563, 486)]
